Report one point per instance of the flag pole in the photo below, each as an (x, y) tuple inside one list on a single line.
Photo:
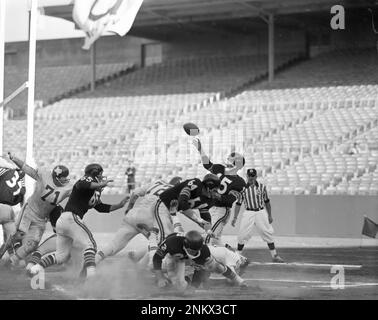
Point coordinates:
[(31, 88), (2, 70)]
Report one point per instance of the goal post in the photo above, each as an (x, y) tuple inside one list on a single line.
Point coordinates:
[(2, 70)]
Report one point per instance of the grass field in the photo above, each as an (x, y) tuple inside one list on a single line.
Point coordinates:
[(305, 275)]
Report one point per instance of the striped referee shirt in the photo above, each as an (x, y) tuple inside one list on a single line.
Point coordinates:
[(255, 196)]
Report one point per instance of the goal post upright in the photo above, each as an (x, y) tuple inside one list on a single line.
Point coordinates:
[(2, 71), (31, 79), (33, 20)]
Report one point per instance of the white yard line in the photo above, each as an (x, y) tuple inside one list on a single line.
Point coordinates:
[(275, 280), (362, 284), (299, 264)]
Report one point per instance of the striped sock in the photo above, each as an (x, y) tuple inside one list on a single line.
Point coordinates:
[(35, 257), (89, 258), (48, 261)]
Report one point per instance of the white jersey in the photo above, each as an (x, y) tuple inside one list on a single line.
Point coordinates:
[(148, 195), (46, 194), (144, 207)]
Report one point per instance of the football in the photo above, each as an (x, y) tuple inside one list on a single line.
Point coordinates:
[(191, 129)]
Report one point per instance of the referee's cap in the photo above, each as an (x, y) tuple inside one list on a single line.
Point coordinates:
[(251, 172)]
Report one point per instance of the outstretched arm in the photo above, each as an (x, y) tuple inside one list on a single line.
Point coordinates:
[(102, 207), (24, 167), (204, 157)]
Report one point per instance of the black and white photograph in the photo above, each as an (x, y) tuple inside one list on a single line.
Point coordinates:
[(205, 151)]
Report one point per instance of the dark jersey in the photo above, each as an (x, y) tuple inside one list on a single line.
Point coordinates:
[(83, 198), (174, 245), (12, 186), (229, 184), (190, 195)]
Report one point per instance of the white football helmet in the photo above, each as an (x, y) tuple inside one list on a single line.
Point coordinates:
[(235, 161)]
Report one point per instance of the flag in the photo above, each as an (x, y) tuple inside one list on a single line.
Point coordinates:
[(96, 17), (370, 228)]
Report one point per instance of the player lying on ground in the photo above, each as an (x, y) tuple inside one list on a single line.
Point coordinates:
[(231, 184), (50, 189), (258, 214), (191, 194), (225, 255), (139, 218), (70, 226), (178, 248), (12, 183)]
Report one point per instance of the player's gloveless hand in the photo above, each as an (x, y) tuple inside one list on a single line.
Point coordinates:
[(107, 182), (197, 143), (233, 222), (270, 219), (124, 200)]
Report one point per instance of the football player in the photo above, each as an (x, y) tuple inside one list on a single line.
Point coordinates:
[(70, 226), (176, 249), (51, 188), (231, 184), (226, 255), (12, 183), (139, 218)]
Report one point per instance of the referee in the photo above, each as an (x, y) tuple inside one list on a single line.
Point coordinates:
[(258, 213)]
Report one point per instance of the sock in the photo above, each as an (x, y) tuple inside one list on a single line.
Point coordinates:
[(177, 226), (35, 257), (240, 247), (48, 261), (272, 249), (91, 271), (153, 239), (229, 274), (89, 258)]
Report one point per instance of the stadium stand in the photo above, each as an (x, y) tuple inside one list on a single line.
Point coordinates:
[(58, 82), (296, 137)]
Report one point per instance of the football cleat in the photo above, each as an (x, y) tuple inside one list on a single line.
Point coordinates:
[(243, 265), (37, 268), (278, 259)]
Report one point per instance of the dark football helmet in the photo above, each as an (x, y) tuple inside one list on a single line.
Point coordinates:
[(193, 243), (175, 181), (211, 181), (60, 175), (94, 170)]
